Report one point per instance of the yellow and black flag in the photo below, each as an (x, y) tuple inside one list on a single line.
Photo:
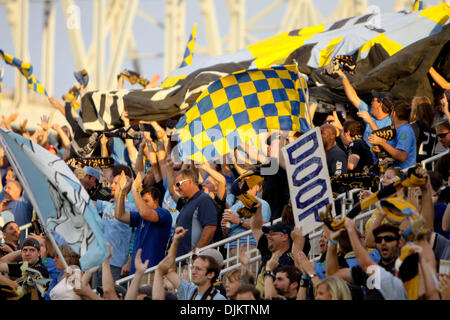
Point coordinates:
[(237, 107), (26, 69), (189, 53)]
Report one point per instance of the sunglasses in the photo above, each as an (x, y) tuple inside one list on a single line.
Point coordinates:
[(385, 238), (179, 183), (442, 135)]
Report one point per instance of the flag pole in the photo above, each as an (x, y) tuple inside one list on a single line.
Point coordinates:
[(26, 187)]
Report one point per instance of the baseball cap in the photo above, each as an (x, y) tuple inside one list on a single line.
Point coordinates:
[(31, 242), (385, 98), (386, 227), (212, 253), (277, 227), (120, 291), (92, 172)]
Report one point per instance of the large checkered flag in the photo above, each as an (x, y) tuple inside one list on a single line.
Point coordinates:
[(235, 108)]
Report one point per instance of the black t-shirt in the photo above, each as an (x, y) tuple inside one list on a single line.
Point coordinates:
[(360, 147), (336, 161), (337, 165), (275, 190), (15, 273), (425, 140)]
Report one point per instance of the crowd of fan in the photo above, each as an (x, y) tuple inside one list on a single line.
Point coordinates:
[(155, 209)]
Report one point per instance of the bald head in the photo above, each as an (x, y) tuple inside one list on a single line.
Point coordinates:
[(328, 135)]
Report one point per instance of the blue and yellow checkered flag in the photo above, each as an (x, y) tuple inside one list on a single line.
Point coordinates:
[(237, 107), (189, 53), (26, 69), (418, 5)]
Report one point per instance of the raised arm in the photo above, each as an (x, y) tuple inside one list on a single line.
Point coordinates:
[(144, 210), (140, 267), (167, 266), (256, 222), (124, 188), (269, 288), (361, 254), (218, 177), (349, 90), (109, 292), (171, 180), (444, 84)]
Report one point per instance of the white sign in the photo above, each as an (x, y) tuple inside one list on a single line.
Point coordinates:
[(309, 180)]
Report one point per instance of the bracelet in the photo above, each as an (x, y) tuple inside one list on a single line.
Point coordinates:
[(160, 143), (136, 189), (305, 277), (333, 241), (343, 77), (123, 194), (140, 156), (269, 273)]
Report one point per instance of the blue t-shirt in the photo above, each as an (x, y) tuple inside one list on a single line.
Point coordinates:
[(199, 212), (380, 123), (186, 290), (117, 233), (54, 273), (236, 229), (150, 237), (405, 140)]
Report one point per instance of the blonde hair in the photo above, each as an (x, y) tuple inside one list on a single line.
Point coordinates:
[(337, 288)]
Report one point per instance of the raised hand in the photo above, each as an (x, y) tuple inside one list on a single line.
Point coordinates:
[(138, 264), (180, 232)]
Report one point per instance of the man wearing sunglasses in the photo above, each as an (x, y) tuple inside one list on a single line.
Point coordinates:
[(443, 132), (387, 243), (198, 213)]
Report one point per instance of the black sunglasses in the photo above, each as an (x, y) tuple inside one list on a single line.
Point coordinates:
[(386, 239), (442, 135)]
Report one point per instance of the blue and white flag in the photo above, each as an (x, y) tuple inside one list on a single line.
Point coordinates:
[(60, 201)]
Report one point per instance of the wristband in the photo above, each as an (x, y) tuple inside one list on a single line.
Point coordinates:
[(136, 189), (333, 241), (305, 277), (343, 77), (160, 143), (140, 156)]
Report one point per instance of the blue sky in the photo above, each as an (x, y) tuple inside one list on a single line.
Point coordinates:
[(149, 38)]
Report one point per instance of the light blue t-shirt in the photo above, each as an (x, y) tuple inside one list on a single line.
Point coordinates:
[(380, 123), (405, 140), (236, 229), (117, 233), (186, 290)]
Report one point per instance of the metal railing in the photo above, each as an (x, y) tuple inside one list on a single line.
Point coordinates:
[(231, 262)]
